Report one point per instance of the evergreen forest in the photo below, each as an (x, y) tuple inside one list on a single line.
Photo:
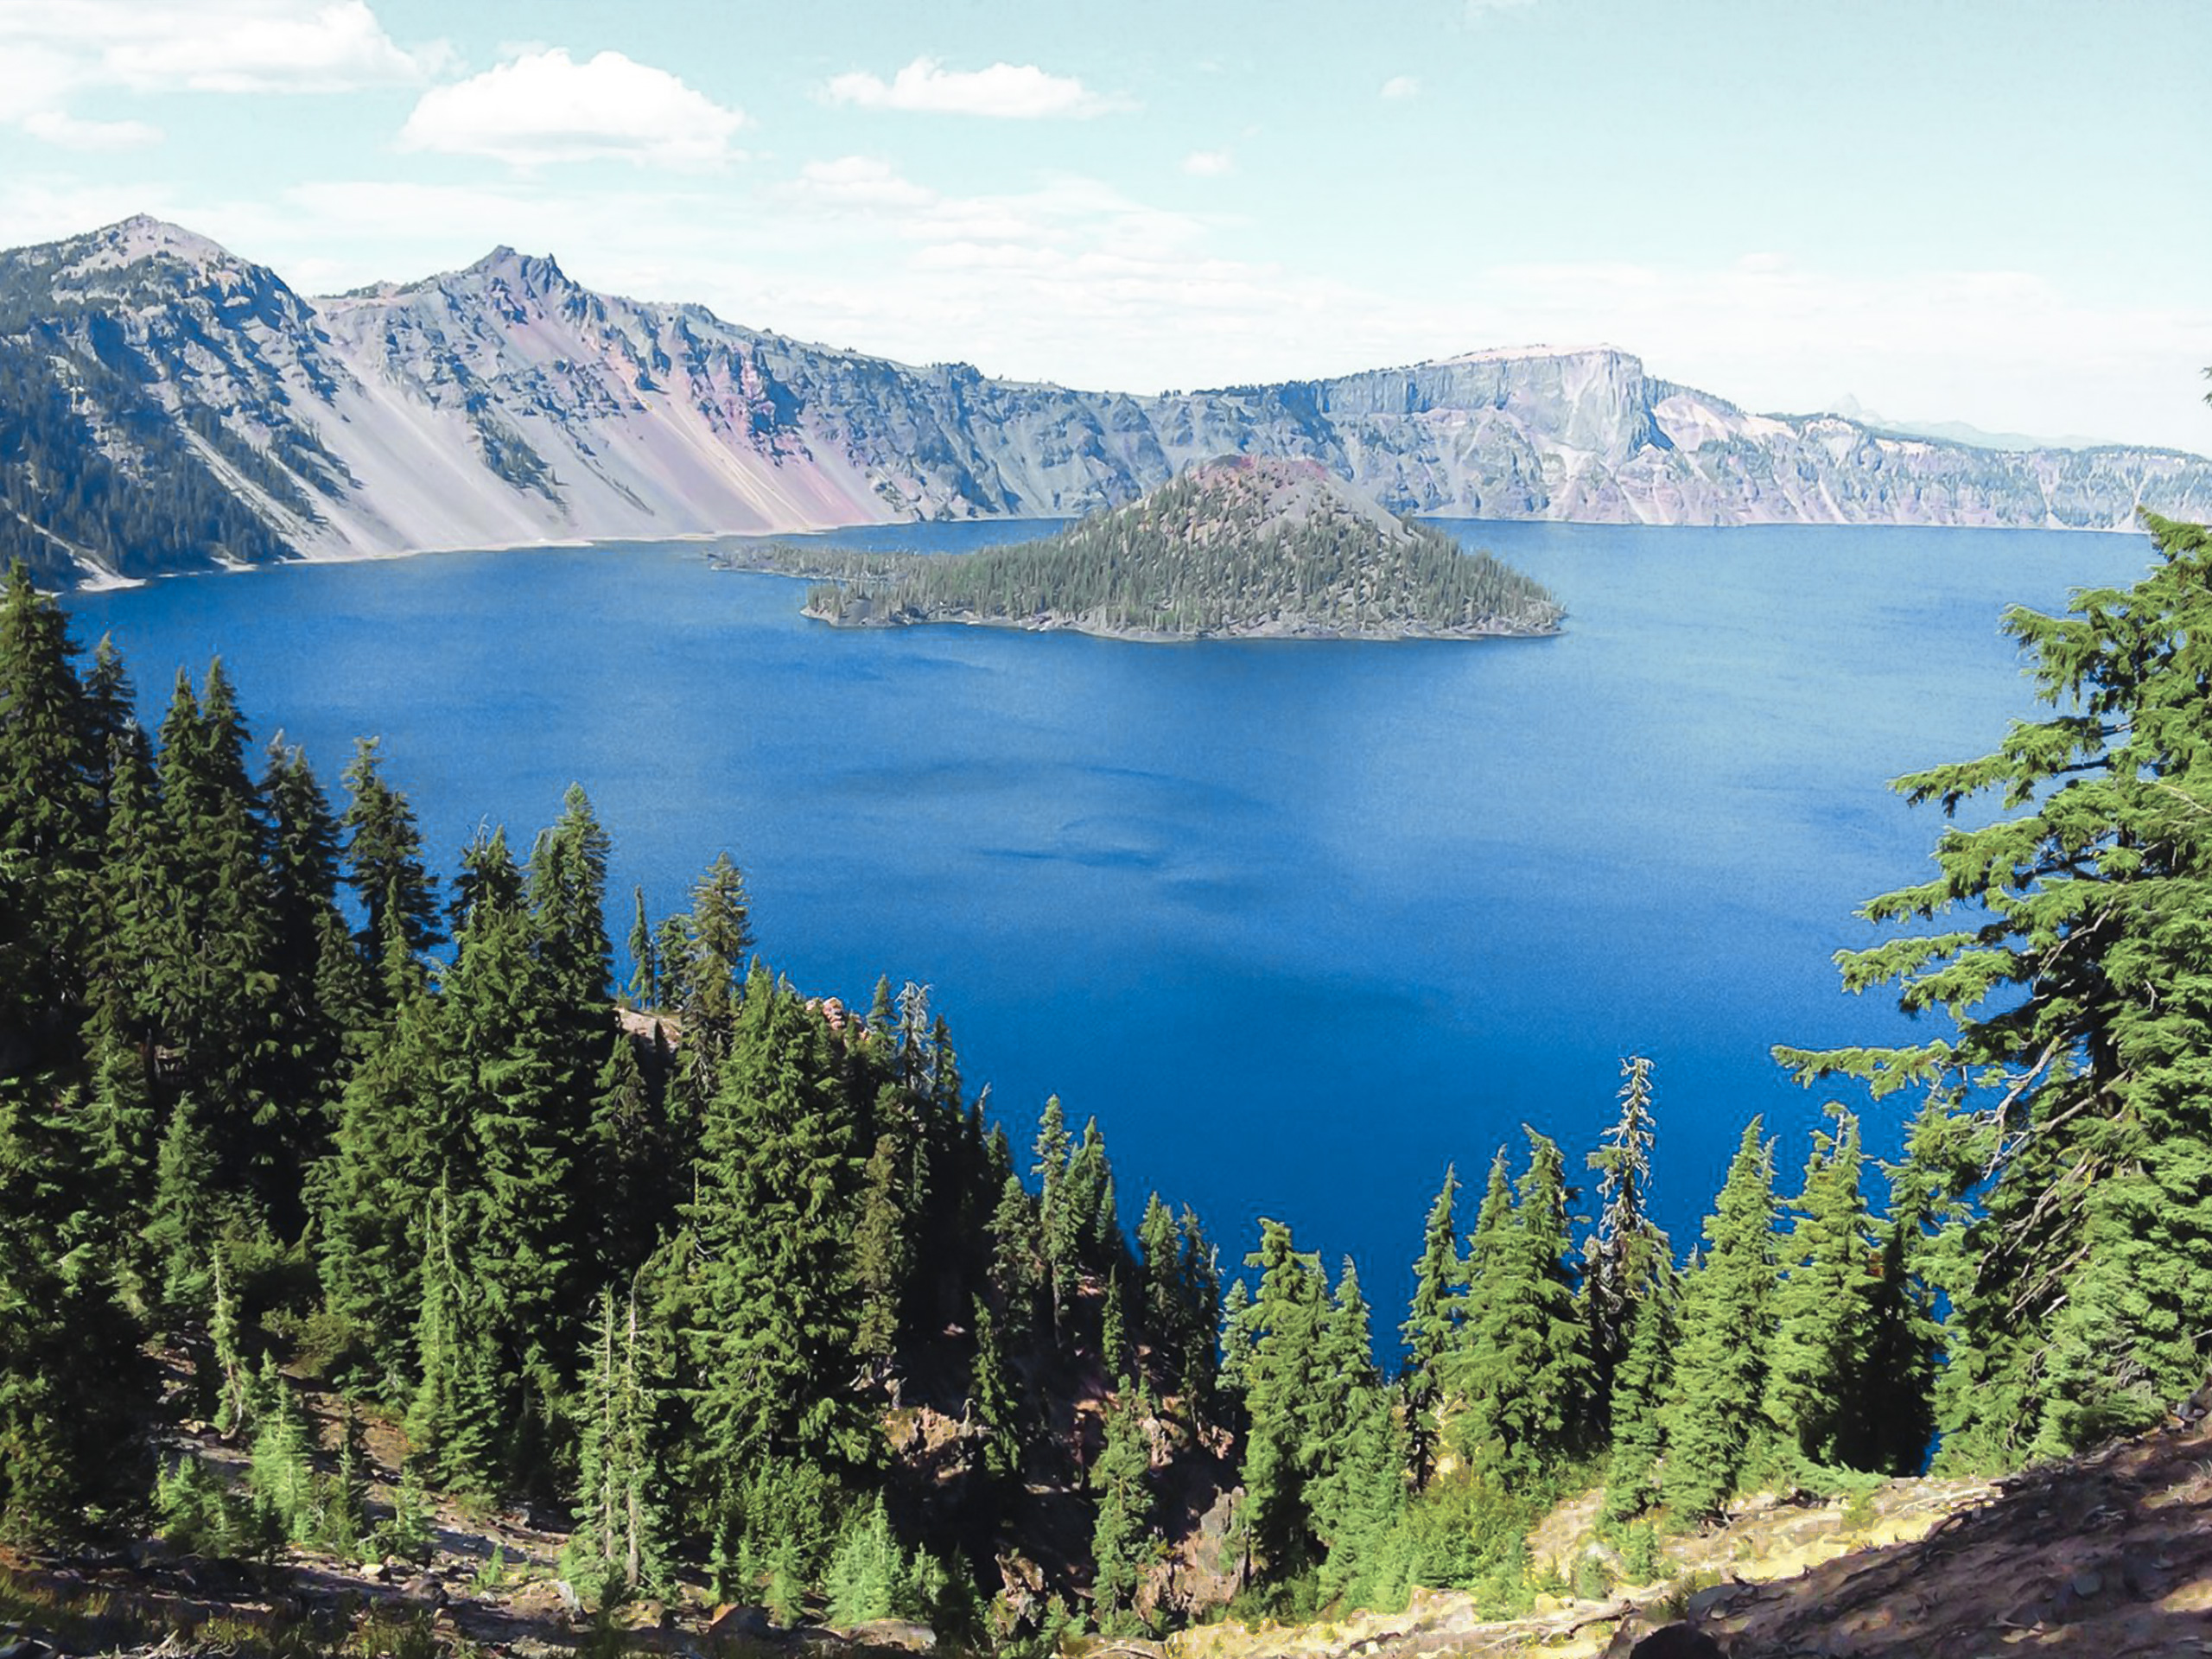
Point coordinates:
[(753, 1288), (1236, 545)]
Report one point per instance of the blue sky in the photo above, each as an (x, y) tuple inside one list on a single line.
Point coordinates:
[(1995, 211)]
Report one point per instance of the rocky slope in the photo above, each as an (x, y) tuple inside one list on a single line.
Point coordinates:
[(165, 406), (2108, 1554)]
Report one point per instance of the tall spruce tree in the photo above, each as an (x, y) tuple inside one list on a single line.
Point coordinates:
[(1626, 1255), (384, 864), (1120, 1537), (1641, 1384), (772, 1330), (1431, 1330), (2067, 955), (1282, 1376), (1720, 1366), (1523, 1369), (49, 828), (1817, 1366)]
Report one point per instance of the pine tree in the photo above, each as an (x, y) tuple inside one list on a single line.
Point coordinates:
[(1720, 1365), (49, 828), (776, 1181), (1121, 1538), (644, 959), (1522, 1370), (1281, 1379), (991, 1400), (1432, 1329), (2083, 1052), (1641, 1384), (615, 1548), (384, 863), (1237, 1343), (454, 1418), (1198, 1312), (1626, 1253), (1823, 1312)]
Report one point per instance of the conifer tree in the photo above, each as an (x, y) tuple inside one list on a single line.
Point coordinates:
[(1822, 1310), (2067, 954), (1017, 1253), (1115, 1352), (881, 1259), (1237, 1343), (869, 1571), (706, 963), (384, 863), (1160, 1278), (631, 1166), (644, 959), (1893, 1420), (180, 1229), (1641, 1384), (1121, 1538), (1432, 1329), (76, 1392), (991, 1400), (1282, 1383), (615, 1548), (395, 1138), (1720, 1365), (1522, 1369), (1199, 1310), (1358, 1491), (1626, 1253), (49, 770), (454, 1418), (773, 1323)]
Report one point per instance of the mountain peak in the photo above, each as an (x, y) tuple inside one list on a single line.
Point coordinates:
[(538, 273), (143, 236)]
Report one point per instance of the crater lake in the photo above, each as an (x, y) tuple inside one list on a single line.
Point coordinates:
[(1300, 923)]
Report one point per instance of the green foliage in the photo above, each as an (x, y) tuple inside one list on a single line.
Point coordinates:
[(1720, 1365), (1121, 1539), (1520, 1369), (2067, 953), (1227, 546), (1626, 1258)]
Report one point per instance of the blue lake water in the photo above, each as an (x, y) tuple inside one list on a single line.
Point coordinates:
[(1300, 923)]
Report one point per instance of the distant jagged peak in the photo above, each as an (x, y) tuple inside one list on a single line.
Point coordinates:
[(538, 273)]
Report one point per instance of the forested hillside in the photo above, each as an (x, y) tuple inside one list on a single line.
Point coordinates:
[(758, 1291), (1234, 546)]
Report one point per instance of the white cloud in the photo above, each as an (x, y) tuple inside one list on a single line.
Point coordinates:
[(1009, 92), (1209, 163), (544, 107), (211, 46), (1401, 86), (66, 132)]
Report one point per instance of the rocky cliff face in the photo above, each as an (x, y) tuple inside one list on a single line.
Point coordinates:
[(165, 406)]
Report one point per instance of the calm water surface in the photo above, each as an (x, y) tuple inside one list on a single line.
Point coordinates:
[(1298, 923)]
